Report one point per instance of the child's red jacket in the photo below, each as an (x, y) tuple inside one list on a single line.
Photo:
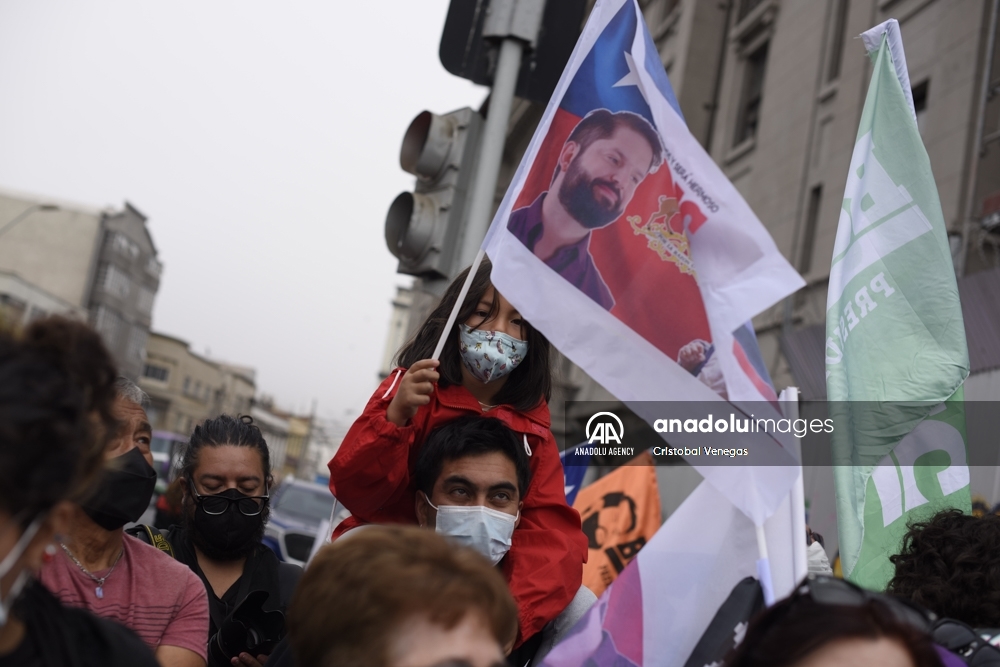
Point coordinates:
[(371, 476)]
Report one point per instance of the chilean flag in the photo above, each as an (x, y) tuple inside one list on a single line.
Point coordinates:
[(685, 265)]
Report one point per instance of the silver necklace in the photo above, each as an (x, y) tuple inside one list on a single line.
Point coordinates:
[(486, 408), (99, 590)]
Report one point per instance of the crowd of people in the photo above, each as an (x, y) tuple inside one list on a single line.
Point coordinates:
[(460, 550)]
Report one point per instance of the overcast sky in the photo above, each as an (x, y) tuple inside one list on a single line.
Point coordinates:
[(260, 138)]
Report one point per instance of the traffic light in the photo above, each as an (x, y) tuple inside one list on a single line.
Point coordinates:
[(423, 228)]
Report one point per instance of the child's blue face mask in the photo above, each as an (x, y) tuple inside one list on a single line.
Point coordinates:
[(490, 355)]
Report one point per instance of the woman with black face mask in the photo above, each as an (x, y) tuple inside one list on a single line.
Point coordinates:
[(226, 478)]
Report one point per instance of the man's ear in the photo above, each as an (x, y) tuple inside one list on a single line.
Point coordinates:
[(423, 510), (566, 155), (517, 521)]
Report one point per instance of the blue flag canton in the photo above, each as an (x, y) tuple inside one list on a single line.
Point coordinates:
[(607, 78), (574, 471)]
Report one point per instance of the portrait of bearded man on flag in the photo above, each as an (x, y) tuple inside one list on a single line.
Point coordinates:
[(605, 158), (601, 207)]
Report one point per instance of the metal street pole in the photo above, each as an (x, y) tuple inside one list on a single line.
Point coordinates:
[(978, 146), (25, 213), (516, 22)]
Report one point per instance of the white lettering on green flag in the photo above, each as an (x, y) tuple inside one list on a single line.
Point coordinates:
[(896, 354)]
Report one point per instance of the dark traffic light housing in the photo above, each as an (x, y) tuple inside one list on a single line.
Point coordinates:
[(423, 228)]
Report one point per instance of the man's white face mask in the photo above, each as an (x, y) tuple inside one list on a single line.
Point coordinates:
[(817, 560), (486, 530)]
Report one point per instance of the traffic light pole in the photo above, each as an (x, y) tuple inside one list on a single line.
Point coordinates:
[(516, 22), (491, 153)]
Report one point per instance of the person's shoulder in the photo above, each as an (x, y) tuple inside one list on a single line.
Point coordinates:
[(116, 645), (523, 216), (156, 564), (537, 420), (98, 641)]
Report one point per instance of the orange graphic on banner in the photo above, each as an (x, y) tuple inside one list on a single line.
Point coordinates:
[(620, 513)]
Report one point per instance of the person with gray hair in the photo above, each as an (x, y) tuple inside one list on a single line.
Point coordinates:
[(100, 568), (131, 392)]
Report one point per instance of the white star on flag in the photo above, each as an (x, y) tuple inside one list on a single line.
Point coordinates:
[(630, 79)]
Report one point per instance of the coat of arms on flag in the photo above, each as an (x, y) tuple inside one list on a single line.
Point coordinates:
[(600, 209)]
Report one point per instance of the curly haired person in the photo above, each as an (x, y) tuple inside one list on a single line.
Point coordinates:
[(950, 564)]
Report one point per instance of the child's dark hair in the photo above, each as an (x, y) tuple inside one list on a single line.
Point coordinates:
[(528, 384), (226, 430)]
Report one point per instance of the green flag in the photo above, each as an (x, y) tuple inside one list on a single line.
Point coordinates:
[(896, 354)]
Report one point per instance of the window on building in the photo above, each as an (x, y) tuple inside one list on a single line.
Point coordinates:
[(113, 280), (750, 100), (197, 389), (123, 245), (145, 300), (809, 237), (745, 7), (153, 267), (837, 36), (109, 323), (12, 309), (187, 386), (36, 313), (920, 103), (154, 372), (136, 349)]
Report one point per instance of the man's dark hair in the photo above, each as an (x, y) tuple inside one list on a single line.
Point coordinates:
[(527, 385), (950, 564), (227, 430), (601, 124), (470, 436), (57, 389)]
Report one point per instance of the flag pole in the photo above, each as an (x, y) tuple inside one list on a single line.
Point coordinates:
[(764, 567), (789, 399), (458, 303), (517, 24)]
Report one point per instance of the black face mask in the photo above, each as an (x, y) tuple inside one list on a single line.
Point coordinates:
[(123, 491), (228, 536)]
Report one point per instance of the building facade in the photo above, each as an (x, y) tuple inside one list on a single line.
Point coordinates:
[(185, 388), (399, 330), (773, 90), (63, 258), (276, 427)]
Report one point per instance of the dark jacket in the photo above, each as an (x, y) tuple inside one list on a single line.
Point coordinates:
[(262, 572), (60, 636)]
